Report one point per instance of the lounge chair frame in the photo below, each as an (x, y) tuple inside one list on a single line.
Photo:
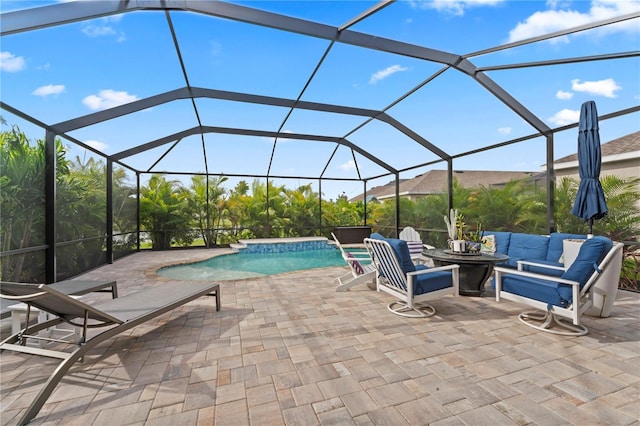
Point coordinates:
[(74, 287), (119, 314), (355, 261), (391, 279)]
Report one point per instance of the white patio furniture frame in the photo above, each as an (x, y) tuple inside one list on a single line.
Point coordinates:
[(568, 319), (391, 279), (361, 269)]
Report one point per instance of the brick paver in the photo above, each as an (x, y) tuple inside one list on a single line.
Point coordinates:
[(288, 349)]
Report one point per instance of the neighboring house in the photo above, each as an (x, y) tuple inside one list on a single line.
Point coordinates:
[(435, 182), (620, 157)]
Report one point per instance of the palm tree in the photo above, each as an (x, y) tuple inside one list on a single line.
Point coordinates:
[(301, 211), (262, 215), (496, 209), (164, 212), (237, 205), (565, 195), (622, 222), (200, 202)]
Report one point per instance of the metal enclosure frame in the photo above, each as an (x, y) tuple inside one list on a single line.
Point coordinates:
[(59, 14)]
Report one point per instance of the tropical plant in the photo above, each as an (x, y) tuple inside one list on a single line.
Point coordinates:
[(622, 222), (301, 210), (342, 213), (164, 212), (22, 168), (207, 205), (475, 235), (498, 209)]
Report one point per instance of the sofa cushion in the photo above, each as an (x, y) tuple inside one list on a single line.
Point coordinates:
[(527, 247), (502, 239), (556, 244)]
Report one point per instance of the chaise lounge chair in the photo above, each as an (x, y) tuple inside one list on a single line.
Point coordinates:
[(361, 270), (118, 315), (71, 287)]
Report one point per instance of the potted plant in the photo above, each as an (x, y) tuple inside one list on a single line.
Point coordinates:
[(474, 239), (455, 226)]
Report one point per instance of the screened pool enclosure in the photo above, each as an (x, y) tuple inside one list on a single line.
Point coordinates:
[(342, 96)]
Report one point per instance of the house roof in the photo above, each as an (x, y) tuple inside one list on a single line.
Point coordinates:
[(435, 182), (622, 145)]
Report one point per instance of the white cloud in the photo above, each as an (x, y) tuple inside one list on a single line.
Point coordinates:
[(108, 99), (562, 95), (454, 7), (50, 89), (547, 22), (349, 165), (551, 20), (564, 117), (98, 30), (100, 146), (606, 88), (10, 62), (504, 130), (103, 27), (382, 74)]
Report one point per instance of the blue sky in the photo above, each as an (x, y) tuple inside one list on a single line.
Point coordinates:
[(63, 72)]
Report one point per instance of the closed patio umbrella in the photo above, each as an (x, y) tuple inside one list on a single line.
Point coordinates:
[(590, 203)]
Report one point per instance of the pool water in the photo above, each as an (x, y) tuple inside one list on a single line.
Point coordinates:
[(251, 265)]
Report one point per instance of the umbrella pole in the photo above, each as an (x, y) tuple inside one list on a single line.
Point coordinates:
[(590, 227)]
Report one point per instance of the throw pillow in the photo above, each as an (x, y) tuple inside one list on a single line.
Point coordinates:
[(488, 244)]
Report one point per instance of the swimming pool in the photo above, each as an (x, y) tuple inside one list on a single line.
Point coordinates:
[(236, 266)]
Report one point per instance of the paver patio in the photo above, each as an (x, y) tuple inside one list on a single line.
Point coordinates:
[(288, 349)]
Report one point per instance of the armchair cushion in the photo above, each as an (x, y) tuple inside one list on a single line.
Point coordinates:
[(401, 250), (403, 254), (431, 282), (548, 292), (556, 247), (591, 254), (589, 257)]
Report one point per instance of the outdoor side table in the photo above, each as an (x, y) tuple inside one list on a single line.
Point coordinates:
[(475, 268)]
